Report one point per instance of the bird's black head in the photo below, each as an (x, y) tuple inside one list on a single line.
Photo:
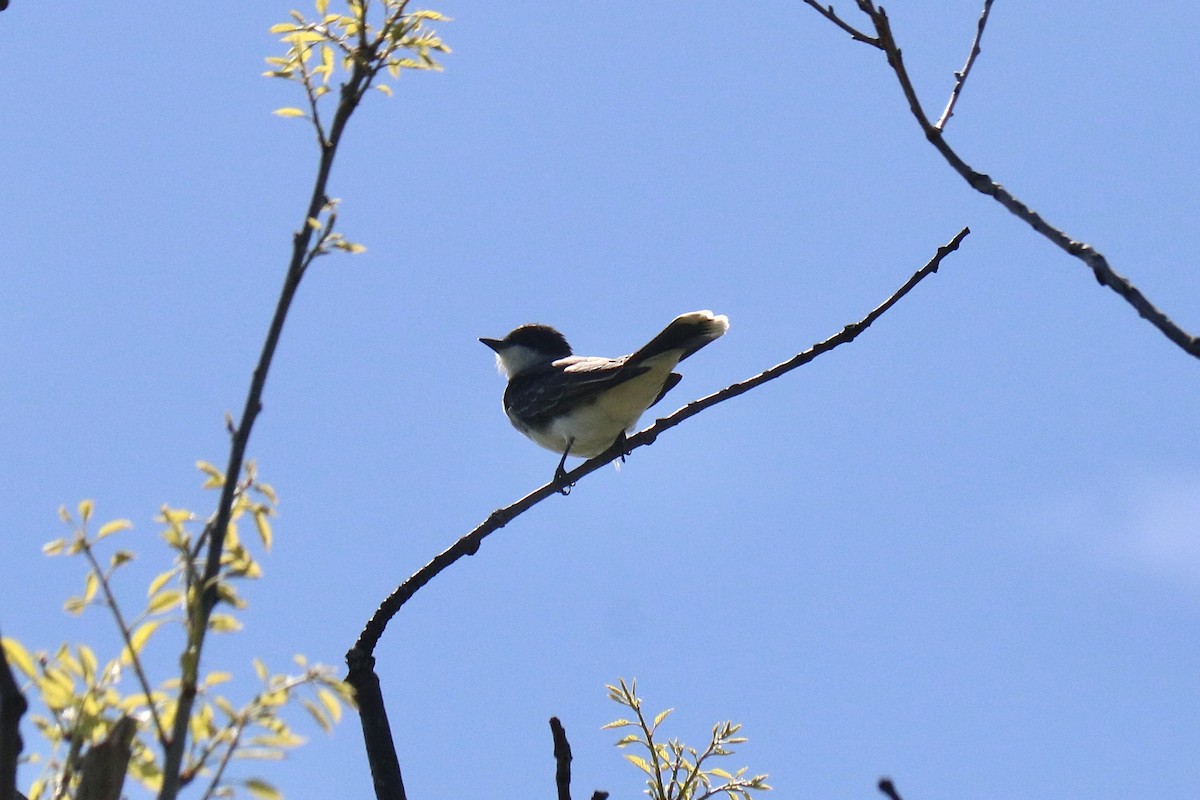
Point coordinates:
[(541, 339)]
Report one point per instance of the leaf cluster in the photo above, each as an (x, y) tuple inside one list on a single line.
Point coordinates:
[(365, 41), (676, 771), (85, 700)]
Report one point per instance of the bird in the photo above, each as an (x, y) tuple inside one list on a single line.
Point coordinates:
[(583, 405)]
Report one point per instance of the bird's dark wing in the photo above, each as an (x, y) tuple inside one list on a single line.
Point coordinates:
[(543, 393), (672, 381)]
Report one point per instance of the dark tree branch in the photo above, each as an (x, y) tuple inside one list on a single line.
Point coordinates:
[(828, 13), (360, 658), (1104, 274), (377, 733), (960, 78), (104, 766), (562, 759), (469, 544), (888, 788), (12, 707), (303, 254)]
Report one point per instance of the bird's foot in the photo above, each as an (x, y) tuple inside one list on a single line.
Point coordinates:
[(560, 477), (560, 473)]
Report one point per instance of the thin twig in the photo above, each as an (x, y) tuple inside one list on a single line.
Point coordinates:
[(828, 13), (888, 788), (127, 637), (1104, 274), (470, 543), (960, 78)]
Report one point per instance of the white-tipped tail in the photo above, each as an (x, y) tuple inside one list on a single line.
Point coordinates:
[(686, 333)]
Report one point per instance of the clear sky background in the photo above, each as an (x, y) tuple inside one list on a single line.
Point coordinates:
[(963, 551)]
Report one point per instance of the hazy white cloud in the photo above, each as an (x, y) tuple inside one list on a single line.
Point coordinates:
[(1162, 530)]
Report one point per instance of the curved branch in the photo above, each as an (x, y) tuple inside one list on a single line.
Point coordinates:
[(1090, 256), (469, 544)]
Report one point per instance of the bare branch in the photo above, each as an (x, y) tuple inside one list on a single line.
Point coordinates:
[(982, 183), (960, 78), (562, 759), (828, 13), (888, 788), (105, 764), (469, 544)]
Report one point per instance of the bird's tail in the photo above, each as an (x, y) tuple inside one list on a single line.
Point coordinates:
[(687, 333)]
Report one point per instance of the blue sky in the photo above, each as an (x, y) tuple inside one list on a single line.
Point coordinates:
[(963, 551)]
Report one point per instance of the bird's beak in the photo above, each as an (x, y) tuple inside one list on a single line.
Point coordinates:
[(495, 344)]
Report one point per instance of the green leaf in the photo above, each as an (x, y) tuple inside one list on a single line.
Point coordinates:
[(109, 528), (121, 557), (258, 753), (215, 478), (139, 638), (260, 669), (85, 510), (661, 716), (264, 527), (18, 656), (159, 581), (74, 606), (640, 763), (57, 687), (214, 678), (87, 660), (164, 600), (288, 112), (90, 584), (286, 739), (616, 723), (317, 714), (55, 547), (223, 623), (261, 789), (331, 703)]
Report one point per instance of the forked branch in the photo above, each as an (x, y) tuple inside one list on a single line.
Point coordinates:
[(960, 78), (984, 184)]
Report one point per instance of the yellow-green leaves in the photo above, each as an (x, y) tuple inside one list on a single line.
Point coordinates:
[(138, 639), (82, 697), (213, 477), (674, 770), (357, 47), (262, 790), (109, 528), (16, 655)]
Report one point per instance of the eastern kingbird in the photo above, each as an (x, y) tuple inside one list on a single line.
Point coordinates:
[(582, 405)]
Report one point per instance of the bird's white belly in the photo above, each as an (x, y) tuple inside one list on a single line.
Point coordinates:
[(594, 426)]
